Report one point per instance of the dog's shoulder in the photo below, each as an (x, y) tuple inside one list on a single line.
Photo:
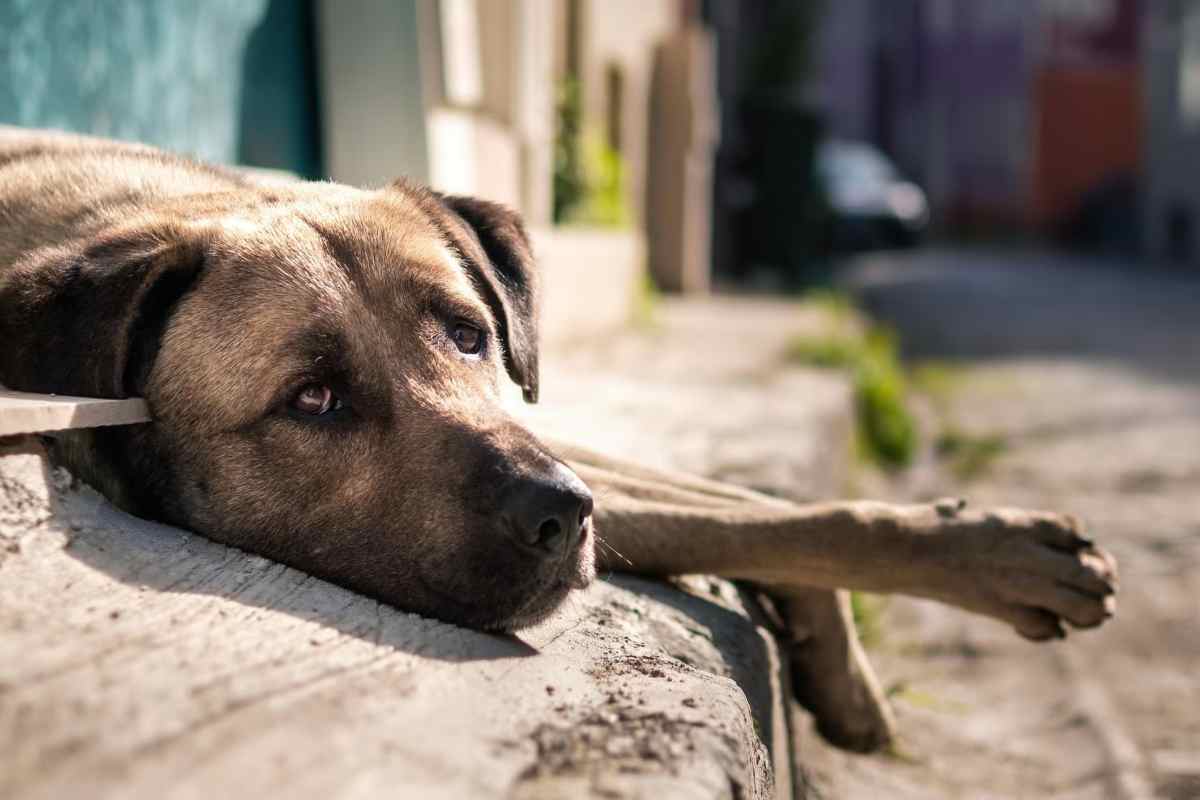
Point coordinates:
[(44, 153), (53, 184)]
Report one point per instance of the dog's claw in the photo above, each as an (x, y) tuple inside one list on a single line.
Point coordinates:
[(1036, 571), (949, 506)]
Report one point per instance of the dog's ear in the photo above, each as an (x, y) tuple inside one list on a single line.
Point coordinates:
[(508, 278), (88, 320)]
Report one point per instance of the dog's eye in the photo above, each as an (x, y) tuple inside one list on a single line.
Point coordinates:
[(315, 399), (467, 338)]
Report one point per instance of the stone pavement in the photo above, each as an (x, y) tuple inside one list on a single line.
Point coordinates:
[(1089, 377)]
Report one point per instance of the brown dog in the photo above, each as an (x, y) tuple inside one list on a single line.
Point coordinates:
[(323, 366)]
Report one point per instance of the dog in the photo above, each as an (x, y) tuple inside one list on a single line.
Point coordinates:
[(323, 365)]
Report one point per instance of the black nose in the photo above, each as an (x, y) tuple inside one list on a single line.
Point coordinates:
[(548, 513)]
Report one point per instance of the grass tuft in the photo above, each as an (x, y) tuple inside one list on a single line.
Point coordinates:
[(969, 455), (888, 430), (887, 433), (938, 380), (646, 301), (867, 610), (829, 352)]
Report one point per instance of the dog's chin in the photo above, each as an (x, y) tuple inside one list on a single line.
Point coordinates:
[(538, 610), (522, 608), (542, 605)]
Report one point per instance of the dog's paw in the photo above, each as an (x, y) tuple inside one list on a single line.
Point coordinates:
[(1034, 570)]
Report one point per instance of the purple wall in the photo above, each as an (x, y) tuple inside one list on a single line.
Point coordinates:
[(974, 96), (946, 87)]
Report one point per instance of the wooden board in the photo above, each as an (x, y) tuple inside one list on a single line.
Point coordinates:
[(22, 412)]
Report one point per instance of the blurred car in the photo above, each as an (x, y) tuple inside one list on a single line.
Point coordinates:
[(872, 206)]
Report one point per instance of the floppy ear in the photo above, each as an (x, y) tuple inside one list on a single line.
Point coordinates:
[(87, 320), (509, 281)]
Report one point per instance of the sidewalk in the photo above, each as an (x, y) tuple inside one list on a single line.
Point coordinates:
[(706, 389)]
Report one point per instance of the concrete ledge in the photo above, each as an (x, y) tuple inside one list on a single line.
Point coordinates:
[(138, 660), (590, 280)]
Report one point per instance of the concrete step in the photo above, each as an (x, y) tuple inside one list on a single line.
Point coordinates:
[(139, 660)]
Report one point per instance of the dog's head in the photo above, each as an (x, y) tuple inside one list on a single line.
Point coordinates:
[(323, 367)]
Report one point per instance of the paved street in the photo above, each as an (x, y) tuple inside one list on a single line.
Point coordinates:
[(1086, 382), (1087, 379)]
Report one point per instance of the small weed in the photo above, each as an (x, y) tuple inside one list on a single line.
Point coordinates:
[(918, 698), (867, 610), (590, 176), (646, 301), (828, 352), (887, 433), (901, 753), (938, 380), (837, 304), (969, 455)]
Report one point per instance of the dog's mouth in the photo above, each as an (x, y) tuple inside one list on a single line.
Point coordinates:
[(538, 609), (579, 567), (540, 596), (576, 572)]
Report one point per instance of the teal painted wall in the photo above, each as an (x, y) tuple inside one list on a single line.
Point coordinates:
[(165, 72), (279, 125)]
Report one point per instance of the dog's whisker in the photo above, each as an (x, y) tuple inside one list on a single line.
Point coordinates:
[(617, 553), (613, 550)]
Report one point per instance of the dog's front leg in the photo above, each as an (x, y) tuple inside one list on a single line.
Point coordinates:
[(1032, 570), (831, 674)]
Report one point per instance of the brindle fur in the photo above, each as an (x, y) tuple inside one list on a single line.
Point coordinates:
[(125, 271)]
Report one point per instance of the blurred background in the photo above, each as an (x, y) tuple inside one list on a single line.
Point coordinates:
[(723, 142), (897, 249)]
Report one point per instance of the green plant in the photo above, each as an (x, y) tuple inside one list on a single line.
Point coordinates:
[(938, 380), (570, 183), (604, 203), (589, 173), (969, 455), (888, 429), (836, 303), (833, 351), (867, 610), (645, 302), (887, 433)]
